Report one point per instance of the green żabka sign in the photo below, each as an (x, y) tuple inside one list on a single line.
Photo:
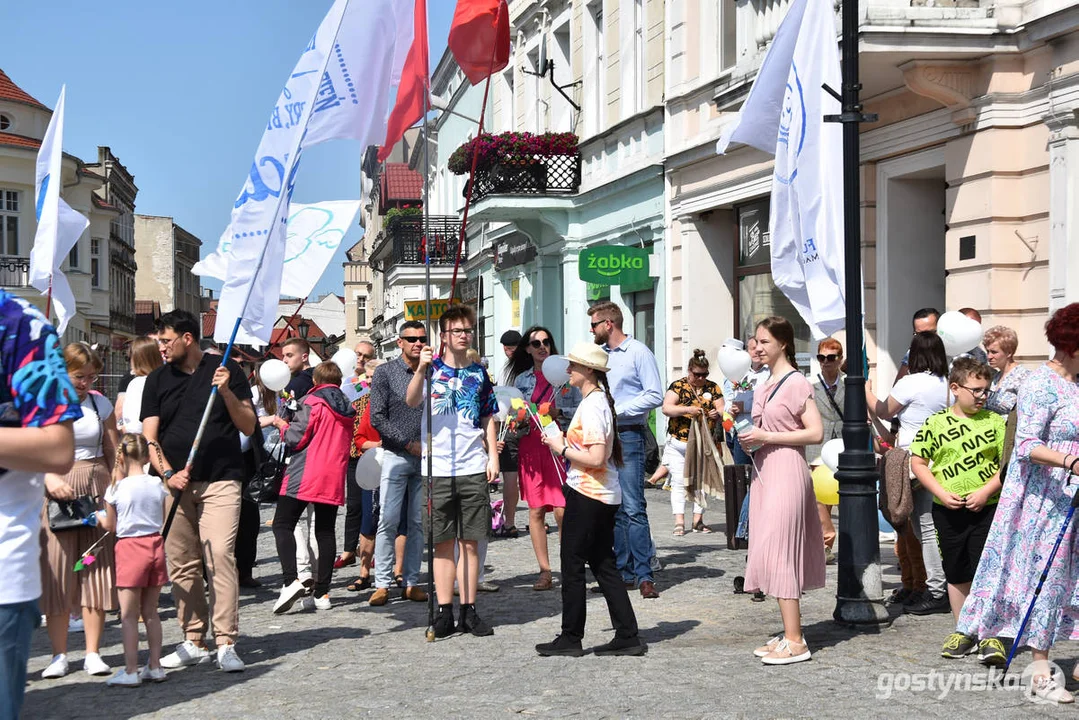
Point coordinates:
[(615, 265)]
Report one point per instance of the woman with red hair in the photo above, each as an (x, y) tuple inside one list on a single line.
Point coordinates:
[(1035, 500)]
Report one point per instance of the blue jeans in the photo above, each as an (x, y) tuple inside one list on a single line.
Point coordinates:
[(17, 623), (633, 548), (400, 474)]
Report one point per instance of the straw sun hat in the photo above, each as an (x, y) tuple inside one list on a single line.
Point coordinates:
[(589, 355)]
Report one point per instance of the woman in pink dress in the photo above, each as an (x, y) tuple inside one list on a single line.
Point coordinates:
[(786, 556), (540, 479)]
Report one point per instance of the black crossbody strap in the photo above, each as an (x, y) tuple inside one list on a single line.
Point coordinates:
[(831, 396)]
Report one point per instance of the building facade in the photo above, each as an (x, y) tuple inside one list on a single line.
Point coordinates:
[(166, 253), (970, 177), (95, 274)]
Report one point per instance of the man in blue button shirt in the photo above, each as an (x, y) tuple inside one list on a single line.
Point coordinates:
[(637, 390)]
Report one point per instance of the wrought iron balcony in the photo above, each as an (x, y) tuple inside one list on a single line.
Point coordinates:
[(529, 175), (14, 271), (402, 242)]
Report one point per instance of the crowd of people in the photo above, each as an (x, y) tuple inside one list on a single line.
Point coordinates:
[(103, 505)]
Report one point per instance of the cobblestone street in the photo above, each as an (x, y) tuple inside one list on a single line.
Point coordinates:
[(359, 661)]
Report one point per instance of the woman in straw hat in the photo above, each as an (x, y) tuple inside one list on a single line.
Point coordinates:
[(592, 449)]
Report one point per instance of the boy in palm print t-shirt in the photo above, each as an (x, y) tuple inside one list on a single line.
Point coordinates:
[(956, 456), (463, 463)]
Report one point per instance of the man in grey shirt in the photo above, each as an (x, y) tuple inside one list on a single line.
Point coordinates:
[(402, 478)]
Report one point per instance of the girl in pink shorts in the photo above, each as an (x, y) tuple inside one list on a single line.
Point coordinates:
[(134, 511)]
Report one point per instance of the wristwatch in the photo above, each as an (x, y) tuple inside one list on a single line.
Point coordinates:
[(168, 474)]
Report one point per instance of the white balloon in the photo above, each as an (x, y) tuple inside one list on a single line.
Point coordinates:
[(829, 453), (959, 333), (734, 364), (275, 375), (508, 392), (346, 360), (556, 370), (369, 469)]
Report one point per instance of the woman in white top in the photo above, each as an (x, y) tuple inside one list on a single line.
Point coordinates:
[(93, 588), (145, 358), (593, 452), (913, 399)]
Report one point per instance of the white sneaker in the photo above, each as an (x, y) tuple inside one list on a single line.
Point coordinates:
[(56, 669), (323, 603), (94, 665), (75, 625), (187, 653), (149, 675), (123, 678), (289, 595), (228, 660)]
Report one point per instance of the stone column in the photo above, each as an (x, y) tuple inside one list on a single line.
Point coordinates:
[(1063, 208)]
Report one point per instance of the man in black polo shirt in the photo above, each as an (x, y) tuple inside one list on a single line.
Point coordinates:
[(173, 402)]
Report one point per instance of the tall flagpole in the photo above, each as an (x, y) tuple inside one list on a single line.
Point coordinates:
[(281, 197), (430, 635), (858, 593)]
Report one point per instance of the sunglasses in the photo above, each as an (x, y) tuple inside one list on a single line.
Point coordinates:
[(699, 374), (828, 358), (545, 342), (597, 322), (414, 339)]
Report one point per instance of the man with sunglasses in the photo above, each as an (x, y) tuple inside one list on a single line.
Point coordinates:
[(402, 474), (637, 390)]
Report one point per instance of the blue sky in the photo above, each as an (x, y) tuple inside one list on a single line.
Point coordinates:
[(181, 93)]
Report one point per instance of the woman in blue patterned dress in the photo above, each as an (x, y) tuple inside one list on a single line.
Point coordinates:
[(1035, 499)]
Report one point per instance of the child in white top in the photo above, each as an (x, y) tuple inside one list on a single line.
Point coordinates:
[(135, 510)]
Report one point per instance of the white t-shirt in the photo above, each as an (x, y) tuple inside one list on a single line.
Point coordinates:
[(593, 424), (139, 502), (921, 395), (88, 427), (21, 495), (133, 405), (461, 398)]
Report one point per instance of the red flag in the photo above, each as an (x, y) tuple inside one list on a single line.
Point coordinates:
[(480, 37), (413, 91)]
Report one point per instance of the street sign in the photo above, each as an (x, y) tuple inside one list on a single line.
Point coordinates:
[(417, 309)]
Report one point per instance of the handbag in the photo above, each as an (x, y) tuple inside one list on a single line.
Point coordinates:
[(265, 483), (71, 514), (74, 514), (264, 486)]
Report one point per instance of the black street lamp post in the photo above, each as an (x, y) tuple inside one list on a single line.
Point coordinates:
[(859, 596)]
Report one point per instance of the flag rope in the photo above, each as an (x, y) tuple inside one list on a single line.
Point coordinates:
[(472, 171)]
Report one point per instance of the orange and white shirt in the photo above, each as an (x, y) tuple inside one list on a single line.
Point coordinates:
[(593, 424)]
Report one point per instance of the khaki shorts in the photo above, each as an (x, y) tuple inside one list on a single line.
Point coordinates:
[(461, 508)]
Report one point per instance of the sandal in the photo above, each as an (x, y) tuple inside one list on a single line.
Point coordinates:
[(701, 527), (359, 584), (679, 530)]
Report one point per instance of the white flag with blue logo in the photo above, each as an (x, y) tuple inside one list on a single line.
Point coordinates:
[(339, 89), (58, 226), (784, 114), (312, 235)]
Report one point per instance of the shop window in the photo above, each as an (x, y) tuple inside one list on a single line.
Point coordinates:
[(758, 297), (643, 308)]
